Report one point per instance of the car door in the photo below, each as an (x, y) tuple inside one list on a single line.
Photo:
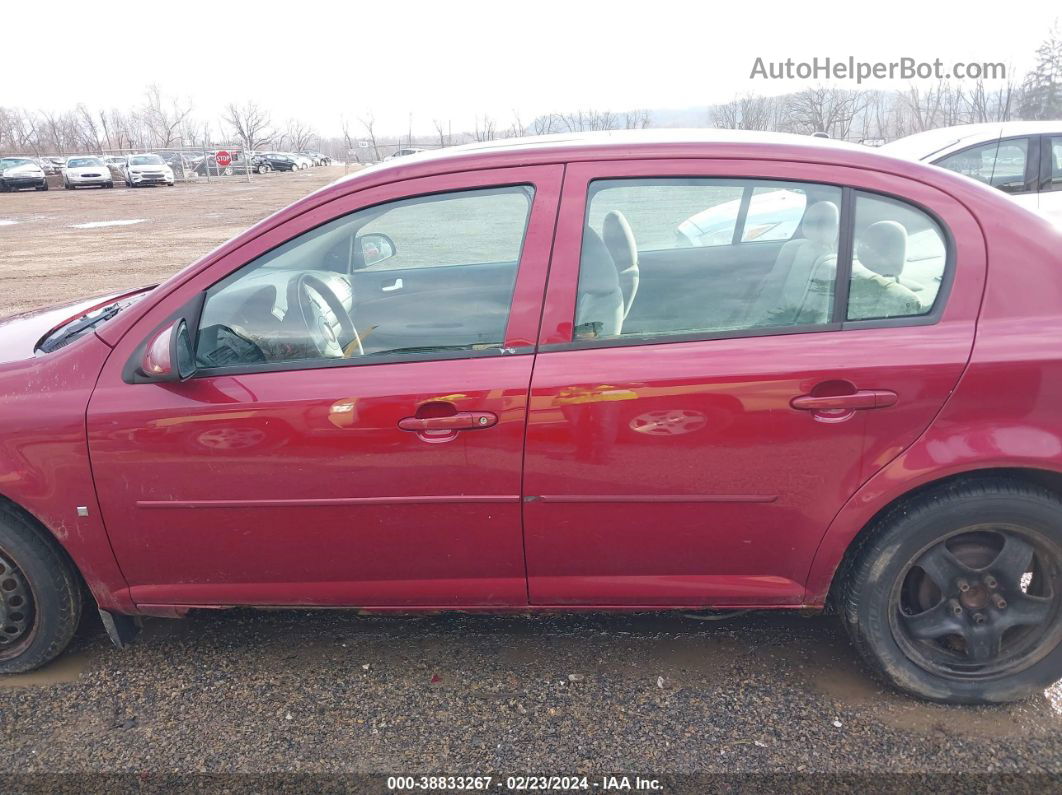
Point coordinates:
[(692, 447), (305, 464), (1050, 196)]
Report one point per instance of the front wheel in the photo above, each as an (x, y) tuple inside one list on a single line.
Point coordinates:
[(40, 597), (957, 597)]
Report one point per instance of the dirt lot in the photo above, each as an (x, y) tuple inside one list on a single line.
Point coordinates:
[(296, 692), (45, 258)]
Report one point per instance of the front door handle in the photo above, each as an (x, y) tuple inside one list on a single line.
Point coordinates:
[(395, 285), (461, 421), (863, 399)]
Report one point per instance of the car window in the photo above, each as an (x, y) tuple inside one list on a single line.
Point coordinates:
[(1000, 164), (472, 228), (452, 260), (1054, 177), (658, 256), (899, 256)]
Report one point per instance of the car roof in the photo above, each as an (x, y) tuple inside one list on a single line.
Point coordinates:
[(920, 146), (627, 144)]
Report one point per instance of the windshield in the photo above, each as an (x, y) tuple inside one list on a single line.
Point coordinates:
[(145, 160), (11, 162), (81, 162)]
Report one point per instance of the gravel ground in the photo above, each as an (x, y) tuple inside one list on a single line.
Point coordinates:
[(47, 256), (653, 694), (295, 692)]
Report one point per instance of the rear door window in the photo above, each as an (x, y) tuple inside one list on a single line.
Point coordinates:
[(1001, 164)]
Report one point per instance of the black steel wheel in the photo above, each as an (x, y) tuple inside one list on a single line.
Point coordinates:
[(956, 595)]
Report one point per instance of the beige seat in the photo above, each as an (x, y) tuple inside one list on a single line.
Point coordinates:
[(599, 301), (621, 245), (799, 288), (876, 291)]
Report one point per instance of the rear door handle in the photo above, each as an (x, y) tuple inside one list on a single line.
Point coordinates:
[(461, 421), (395, 285), (863, 399)]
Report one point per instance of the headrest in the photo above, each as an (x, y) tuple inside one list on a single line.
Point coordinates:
[(619, 238), (883, 248), (597, 271), (821, 222)]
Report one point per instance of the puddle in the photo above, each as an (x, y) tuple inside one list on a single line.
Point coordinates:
[(65, 669), (835, 671), (98, 224)]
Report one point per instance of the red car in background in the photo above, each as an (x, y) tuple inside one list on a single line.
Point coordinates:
[(500, 378)]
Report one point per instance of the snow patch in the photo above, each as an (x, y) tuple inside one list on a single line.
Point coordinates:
[(98, 224), (7, 222)]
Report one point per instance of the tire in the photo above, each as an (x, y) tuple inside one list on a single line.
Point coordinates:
[(46, 592), (44, 186), (996, 545), (67, 185), (108, 184)]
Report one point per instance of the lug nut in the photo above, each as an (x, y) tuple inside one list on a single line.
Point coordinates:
[(979, 618), (999, 601), (955, 608), (990, 581), (963, 585)]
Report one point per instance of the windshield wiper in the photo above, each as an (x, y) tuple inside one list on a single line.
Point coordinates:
[(73, 330)]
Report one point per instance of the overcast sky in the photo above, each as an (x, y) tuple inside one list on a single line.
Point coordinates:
[(454, 60)]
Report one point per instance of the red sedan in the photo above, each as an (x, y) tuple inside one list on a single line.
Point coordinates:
[(619, 372)]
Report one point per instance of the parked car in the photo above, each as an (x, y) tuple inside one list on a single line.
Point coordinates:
[(17, 173), (405, 152), (372, 399), (274, 161), (147, 169), (52, 165), (302, 162), (81, 171), (317, 158), (1021, 158)]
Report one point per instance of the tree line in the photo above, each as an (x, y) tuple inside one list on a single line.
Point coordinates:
[(163, 121)]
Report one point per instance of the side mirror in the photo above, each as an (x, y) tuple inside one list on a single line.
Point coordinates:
[(168, 355), (374, 248)]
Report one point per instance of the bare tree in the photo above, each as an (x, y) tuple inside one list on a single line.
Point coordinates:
[(748, 112), (637, 120), (821, 109), (299, 135), (485, 129), (250, 123), (368, 121), (164, 116), (545, 124), (441, 131)]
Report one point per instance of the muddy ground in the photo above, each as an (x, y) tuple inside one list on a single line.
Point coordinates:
[(289, 691)]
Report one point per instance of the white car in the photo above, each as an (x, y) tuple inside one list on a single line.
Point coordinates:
[(302, 161), (21, 172), (1021, 158), (409, 150), (146, 169), (81, 171)]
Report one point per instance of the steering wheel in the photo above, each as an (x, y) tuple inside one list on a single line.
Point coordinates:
[(330, 328)]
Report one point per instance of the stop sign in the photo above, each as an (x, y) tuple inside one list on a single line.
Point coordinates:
[(223, 158)]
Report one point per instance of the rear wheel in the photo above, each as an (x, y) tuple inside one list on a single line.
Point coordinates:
[(958, 596), (44, 186), (40, 597)]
